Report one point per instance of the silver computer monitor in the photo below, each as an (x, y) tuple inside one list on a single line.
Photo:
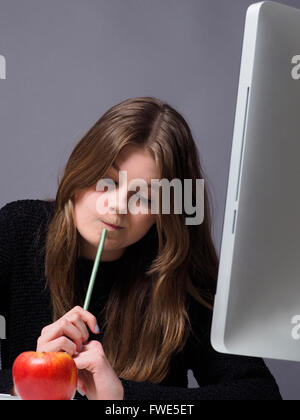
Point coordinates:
[(257, 304)]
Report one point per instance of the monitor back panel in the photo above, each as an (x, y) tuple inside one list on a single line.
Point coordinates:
[(257, 305)]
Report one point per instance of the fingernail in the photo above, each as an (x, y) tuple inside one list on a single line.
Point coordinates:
[(97, 329)]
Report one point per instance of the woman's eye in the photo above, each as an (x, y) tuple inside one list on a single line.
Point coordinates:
[(113, 183), (145, 200)]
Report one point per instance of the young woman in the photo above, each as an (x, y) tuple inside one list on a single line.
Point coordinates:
[(150, 315)]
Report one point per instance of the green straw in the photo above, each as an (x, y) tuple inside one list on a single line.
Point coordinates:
[(94, 271)]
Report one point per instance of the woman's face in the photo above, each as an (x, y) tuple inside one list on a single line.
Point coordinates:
[(89, 220)]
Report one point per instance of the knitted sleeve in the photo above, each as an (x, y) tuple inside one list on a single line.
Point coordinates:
[(7, 237)]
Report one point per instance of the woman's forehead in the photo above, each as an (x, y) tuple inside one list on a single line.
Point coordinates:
[(137, 162)]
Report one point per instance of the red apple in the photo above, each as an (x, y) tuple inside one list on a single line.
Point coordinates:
[(45, 376)]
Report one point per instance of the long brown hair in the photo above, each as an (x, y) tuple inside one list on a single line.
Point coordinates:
[(175, 260)]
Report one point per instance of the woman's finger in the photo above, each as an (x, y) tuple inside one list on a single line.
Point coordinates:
[(86, 316), (82, 360), (59, 344), (60, 328), (91, 357), (80, 324)]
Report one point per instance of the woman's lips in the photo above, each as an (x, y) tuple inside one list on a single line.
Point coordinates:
[(112, 227)]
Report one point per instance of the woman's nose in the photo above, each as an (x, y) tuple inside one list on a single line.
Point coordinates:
[(118, 204)]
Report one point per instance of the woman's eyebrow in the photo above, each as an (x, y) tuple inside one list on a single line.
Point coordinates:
[(115, 166)]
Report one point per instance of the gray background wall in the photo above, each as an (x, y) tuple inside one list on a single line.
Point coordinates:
[(68, 61)]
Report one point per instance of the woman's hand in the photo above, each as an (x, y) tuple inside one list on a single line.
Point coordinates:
[(69, 333), (96, 378)]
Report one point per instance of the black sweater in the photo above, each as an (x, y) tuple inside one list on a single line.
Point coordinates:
[(25, 304)]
